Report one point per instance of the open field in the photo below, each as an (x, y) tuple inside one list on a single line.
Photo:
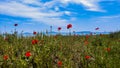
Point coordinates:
[(40, 51), (59, 33)]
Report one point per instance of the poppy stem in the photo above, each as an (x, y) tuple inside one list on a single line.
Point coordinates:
[(70, 32)]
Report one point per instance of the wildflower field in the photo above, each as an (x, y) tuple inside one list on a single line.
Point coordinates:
[(41, 51)]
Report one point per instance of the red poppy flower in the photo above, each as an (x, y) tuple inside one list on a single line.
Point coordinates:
[(15, 24), (59, 63), (69, 26), (97, 28), (28, 54), (5, 38), (87, 36), (59, 28), (5, 57), (108, 49), (85, 42), (87, 57), (34, 41), (34, 33)]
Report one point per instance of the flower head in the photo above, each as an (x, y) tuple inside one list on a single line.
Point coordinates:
[(5, 38), (97, 28), (87, 36), (15, 24), (59, 63), (34, 41), (69, 26), (59, 28), (34, 33), (108, 49), (87, 57), (5, 57), (86, 42), (28, 54)]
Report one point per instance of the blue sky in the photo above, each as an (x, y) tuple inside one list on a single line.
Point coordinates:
[(39, 15)]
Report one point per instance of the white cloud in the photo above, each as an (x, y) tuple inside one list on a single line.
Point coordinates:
[(91, 5), (18, 9), (110, 17), (50, 3), (22, 9), (50, 13), (42, 11), (67, 12), (43, 14), (53, 21), (56, 8), (73, 19), (36, 2)]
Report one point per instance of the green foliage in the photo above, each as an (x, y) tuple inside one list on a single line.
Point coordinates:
[(70, 50), (115, 35)]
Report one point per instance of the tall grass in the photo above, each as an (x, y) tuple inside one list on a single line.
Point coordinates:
[(71, 51)]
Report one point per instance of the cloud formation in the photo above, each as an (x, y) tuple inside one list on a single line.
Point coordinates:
[(90, 5), (39, 13), (45, 12)]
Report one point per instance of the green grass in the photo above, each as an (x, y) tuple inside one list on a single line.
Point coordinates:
[(70, 50)]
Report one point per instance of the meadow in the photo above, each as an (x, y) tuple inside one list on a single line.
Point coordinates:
[(41, 51)]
